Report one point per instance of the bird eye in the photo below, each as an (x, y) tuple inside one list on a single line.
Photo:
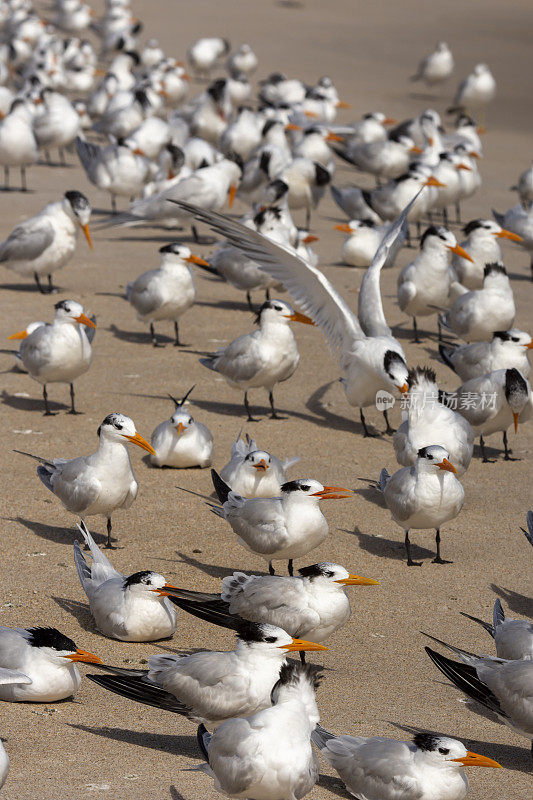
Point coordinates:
[(278, 308), (118, 426), (514, 338), (271, 639), (429, 457), (304, 488), (444, 751)]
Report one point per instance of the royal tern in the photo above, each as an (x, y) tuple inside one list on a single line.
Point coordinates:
[(364, 238), (277, 528), (493, 402), (59, 352), (371, 128), (311, 605), (252, 472), (180, 441), (436, 67), (307, 181), (57, 124), (371, 362), (353, 202), (102, 482), (212, 686), (389, 200), (482, 246), (152, 54), (263, 358), (506, 349), (204, 54), (467, 133), (519, 220), (476, 91), (431, 767), (268, 755), (44, 243), (150, 137), (423, 496), (424, 284), (524, 187), (475, 315), (384, 159), (513, 638), (40, 663), (131, 608), (503, 687), (243, 135), (417, 128), (428, 421), (18, 147), (167, 292), (243, 60), (278, 90)]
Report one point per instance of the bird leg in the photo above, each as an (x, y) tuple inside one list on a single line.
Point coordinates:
[(6, 180), (458, 213), (195, 233), (532, 268), (113, 204), (418, 230), (23, 185), (177, 342), (308, 218), (61, 154), (438, 559), (508, 451), (38, 282), (72, 408), (290, 567), (388, 429), (247, 407), (154, 337), (366, 432), (410, 562), (51, 288), (108, 544), (250, 304), (271, 570), (484, 459), (274, 414), (445, 217), (408, 237), (267, 293), (416, 340), (47, 412)]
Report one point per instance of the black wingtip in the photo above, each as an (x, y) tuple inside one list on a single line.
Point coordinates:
[(200, 733), (445, 354), (222, 489)]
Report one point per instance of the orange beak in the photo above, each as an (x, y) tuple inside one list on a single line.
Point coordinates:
[(475, 760), (24, 333), (342, 104), (514, 237), (389, 121), (291, 126), (185, 77), (162, 591), (516, 414), (84, 657), (232, 193), (344, 228), (87, 232), (460, 251), (302, 644), (85, 321), (447, 466), (197, 260), (415, 149), (310, 115), (404, 388), (333, 137), (465, 167), (329, 493), (180, 427), (357, 580), (309, 239), (297, 317), (141, 442), (474, 154), (529, 345), (138, 152), (262, 466), (434, 182)]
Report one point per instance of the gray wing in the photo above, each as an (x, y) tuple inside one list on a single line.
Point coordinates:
[(10, 676), (27, 242), (306, 284)]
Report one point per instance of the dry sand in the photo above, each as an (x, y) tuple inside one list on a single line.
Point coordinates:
[(377, 674)]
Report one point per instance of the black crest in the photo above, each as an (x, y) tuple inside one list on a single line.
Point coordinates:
[(473, 225), (62, 304), (433, 230), (416, 373), (390, 358), (494, 269), (266, 304), (251, 631), (264, 162), (426, 741), (51, 637), (216, 90), (294, 486), (315, 571), (137, 577), (505, 336), (269, 124), (261, 216), (76, 199), (322, 176)]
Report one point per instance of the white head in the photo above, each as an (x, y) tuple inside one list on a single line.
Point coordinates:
[(271, 640), (120, 429), (395, 370), (434, 459), (257, 463), (513, 338), (71, 312), (298, 682), (442, 47), (448, 753), (181, 421), (57, 648), (79, 209), (495, 275), (309, 490), (355, 226), (334, 575), (437, 239), (278, 311), (486, 228), (481, 69), (147, 583), (175, 253)]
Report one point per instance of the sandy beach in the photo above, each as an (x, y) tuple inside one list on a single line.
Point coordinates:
[(377, 678)]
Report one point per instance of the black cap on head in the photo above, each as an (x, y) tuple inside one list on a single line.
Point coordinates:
[(416, 373), (473, 225), (51, 637), (294, 486), (494, 269), (251, 631), (216, 89), (426, 741), (433, 230), (137, 577)]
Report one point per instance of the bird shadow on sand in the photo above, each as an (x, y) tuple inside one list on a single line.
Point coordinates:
[(520, 276), (19, 287), (333, 785), (518, 603), (175, 795), (509, 756), (335, 421), (30, 403), (80, 612), (370, 492), (138, 337), (55, 533), (388, 548), (230, 305), (177, 745), (492, 454), (183, 238), (208, 569)]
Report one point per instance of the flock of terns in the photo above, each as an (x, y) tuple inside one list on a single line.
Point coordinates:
[(178, 158)]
